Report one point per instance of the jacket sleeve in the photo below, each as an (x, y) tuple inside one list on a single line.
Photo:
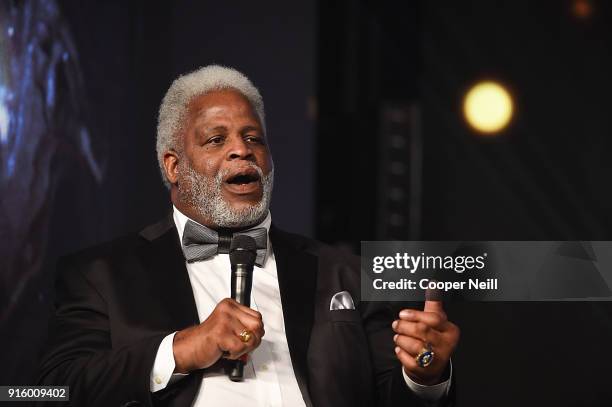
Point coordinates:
[(80, 354)]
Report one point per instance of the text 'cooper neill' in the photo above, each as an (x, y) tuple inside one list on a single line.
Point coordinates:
[(424, 283)]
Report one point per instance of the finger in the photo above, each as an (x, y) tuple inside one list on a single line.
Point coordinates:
[(253, 317), (233, 327), (232, 341), (434, 306), (236, 305), (248, 310), (232, 347), (417, 330), (432, 319), (407, 360), (409, 344), (253, 325)]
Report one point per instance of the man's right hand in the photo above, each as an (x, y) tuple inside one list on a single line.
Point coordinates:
[(201, 346)]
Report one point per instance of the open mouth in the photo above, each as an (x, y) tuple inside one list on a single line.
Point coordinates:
[(244, 181), (245, 177)]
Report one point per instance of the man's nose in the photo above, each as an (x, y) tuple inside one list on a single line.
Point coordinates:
[(238, 148)]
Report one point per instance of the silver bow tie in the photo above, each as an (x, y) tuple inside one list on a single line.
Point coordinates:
[(200, 242)]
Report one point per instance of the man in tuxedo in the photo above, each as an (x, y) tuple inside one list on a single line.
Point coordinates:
[(144, 320)]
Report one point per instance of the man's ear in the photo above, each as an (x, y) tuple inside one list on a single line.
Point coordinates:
[(171, 160)]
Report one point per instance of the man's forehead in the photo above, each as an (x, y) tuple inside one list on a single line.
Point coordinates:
[(207, 111), (219, 105)]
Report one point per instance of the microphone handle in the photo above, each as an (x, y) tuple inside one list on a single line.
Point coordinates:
[(242, 282)]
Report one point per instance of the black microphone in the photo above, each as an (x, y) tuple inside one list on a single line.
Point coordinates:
[(243, 252)]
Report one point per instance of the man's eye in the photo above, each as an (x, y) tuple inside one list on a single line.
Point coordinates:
[(254, 139), (215, 140)]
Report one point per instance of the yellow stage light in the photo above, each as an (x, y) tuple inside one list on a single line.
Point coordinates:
[(488, 107)]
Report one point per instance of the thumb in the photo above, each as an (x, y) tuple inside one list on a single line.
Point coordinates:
[(434, 306)]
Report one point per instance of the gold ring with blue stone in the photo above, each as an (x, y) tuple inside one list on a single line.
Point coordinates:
[(426, 356)]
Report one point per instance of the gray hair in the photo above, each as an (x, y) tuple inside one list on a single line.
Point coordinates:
[(173, 109)]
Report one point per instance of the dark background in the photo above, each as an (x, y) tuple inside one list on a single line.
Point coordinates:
[(363, 103)]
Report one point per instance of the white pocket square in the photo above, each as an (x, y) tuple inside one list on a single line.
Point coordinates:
[(341, 300)]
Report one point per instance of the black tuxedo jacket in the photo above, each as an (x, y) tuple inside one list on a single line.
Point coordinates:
[(116, 302)]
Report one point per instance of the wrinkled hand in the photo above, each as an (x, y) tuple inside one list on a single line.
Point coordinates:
[(202, 345), (413, 330)]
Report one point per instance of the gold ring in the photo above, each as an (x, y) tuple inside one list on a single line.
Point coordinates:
[(245, 336), (426, 356)]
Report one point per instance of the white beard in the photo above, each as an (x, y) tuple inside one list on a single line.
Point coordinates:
[(205, 195)]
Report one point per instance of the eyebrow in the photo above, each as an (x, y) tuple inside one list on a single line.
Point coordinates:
[(216, 128), (201, 130), (206, 130), (250, 128)]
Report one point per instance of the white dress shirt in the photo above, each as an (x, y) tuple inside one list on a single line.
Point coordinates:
[(269, 379)]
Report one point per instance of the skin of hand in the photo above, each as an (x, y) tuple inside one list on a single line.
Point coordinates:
[(200, 346), (413, 330)]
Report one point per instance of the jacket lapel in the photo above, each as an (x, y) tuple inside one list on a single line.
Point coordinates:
[(166, 268), (297, 280)]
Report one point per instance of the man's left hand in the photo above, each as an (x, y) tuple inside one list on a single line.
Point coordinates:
[(414, 330)]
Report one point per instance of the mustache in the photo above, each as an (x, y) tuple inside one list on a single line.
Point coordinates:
[(223, 174)]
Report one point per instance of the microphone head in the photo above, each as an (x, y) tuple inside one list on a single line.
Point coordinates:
[(243, 250)]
